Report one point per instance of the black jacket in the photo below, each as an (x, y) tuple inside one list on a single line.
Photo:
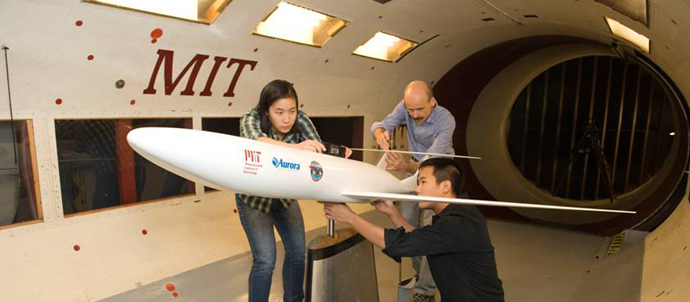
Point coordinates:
[(459, 252)]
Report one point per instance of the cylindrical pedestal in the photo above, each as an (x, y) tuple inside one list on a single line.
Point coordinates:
[(341, 269)]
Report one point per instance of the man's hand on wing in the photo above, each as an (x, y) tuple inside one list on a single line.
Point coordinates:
[(396, 162)]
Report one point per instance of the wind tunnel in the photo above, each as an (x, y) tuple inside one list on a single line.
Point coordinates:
[(526, 81), (569, 121)]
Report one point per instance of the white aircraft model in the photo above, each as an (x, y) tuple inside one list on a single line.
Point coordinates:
[(238, 164)]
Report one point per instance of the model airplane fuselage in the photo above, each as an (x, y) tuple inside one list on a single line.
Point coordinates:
[(257, 168)]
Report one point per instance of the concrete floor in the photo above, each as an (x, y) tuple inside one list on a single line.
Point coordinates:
[(226, 280), (534, 263)]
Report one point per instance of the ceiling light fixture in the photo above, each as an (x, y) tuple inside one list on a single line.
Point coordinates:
[(202, 11), (300, 25), (386, 47), (628, 34)]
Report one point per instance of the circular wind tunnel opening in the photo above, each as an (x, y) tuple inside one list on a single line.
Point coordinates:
[(570, 123), (592, 128)]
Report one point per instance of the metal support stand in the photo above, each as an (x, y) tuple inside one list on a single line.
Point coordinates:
[(590, 143), (330, 229)]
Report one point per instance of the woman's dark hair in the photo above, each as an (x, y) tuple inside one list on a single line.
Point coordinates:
[(273, 91), (447, 169)]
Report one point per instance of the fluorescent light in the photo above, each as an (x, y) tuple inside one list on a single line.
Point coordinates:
[(202, 11), (672, 134), (628, 34), (383, 46), (185, 9), (297, 24)]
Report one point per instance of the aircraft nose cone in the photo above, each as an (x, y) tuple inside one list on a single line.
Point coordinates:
[(152, 140), (134, 137), (139, 139)]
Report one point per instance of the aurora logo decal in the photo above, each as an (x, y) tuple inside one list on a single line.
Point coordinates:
[(280, 163), (316, 171)]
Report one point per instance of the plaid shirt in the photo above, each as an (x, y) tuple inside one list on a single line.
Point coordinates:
[(250, 127)]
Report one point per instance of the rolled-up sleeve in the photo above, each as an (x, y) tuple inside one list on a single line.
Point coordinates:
[(250, 126), (394, 119)]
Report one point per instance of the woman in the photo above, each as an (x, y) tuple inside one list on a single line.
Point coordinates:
[(276, 120)]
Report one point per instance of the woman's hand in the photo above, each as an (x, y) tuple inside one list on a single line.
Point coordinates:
[(311, 145)]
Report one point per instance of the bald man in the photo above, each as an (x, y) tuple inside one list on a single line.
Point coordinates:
[(429, 129)]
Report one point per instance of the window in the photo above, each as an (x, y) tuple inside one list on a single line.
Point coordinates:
[(99, 170), (19, 191), (346, 131), (230, 126)]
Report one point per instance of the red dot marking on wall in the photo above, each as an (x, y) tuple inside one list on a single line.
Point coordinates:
[(78, 23), (175, 294), (132, 102), (156, 33), (234, 211), (301, 105), (76, 247), (58, 101), (153, 41), (230, 104), (90, 57), (144, 232), (256, 49), (170, 287)]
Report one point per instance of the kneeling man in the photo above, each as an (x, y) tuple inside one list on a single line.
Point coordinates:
[(457, 243)]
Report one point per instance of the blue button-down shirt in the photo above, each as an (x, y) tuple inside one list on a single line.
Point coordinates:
[(435, 135)]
